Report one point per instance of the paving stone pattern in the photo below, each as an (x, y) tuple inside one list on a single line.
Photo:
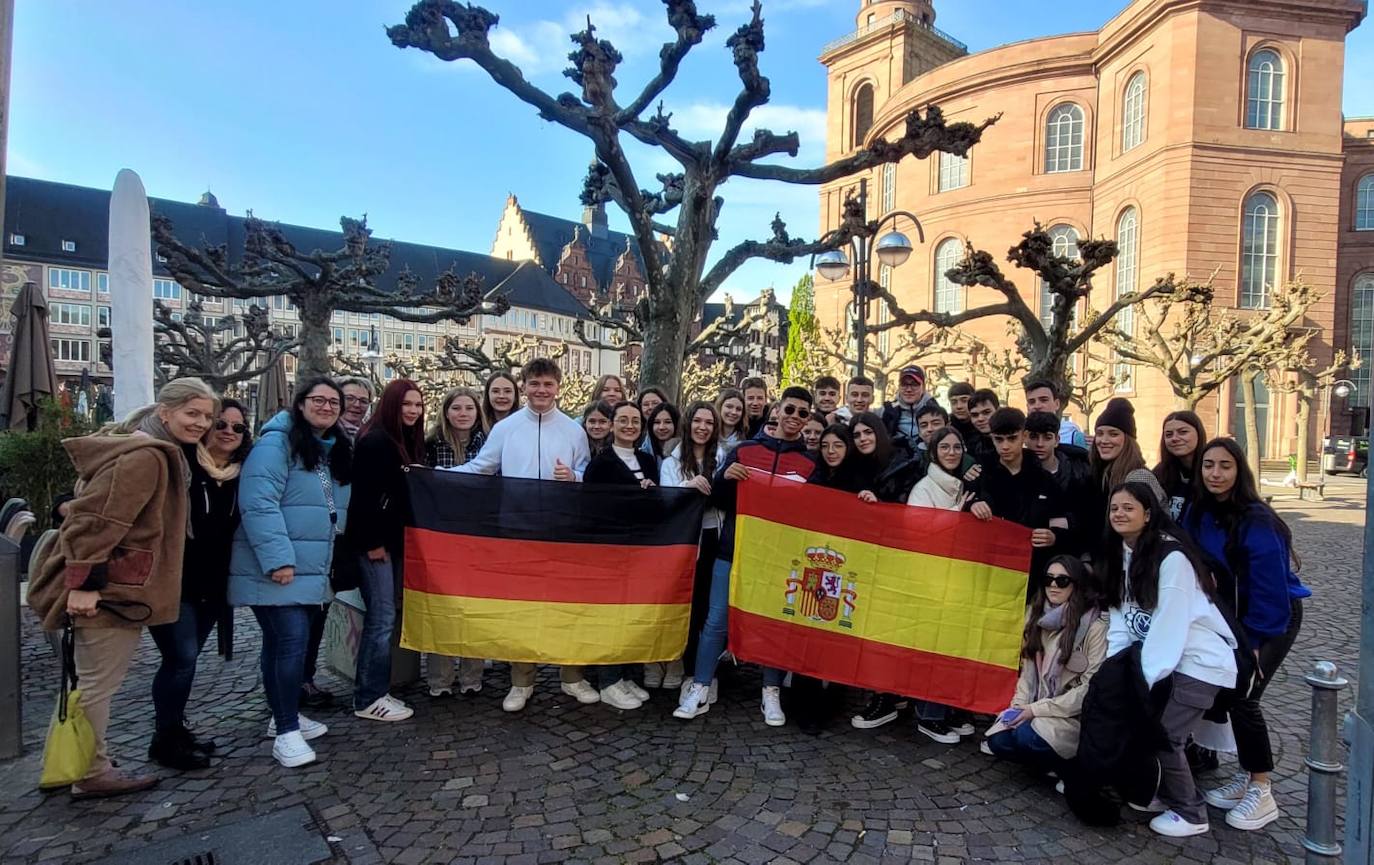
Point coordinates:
[(465, 782)]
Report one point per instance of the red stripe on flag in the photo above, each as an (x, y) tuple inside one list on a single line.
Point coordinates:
[(472, 566), (842, 658), (935, 532)]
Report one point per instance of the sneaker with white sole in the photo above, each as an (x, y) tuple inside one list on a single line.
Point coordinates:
[(653, 675), (384, 708), (290, 750), (517, 698), (582, 691), (1257, 810), (939, 731), (771, 707), (1229, 795), (618, 696), (1174, 826), (695, 701), (963, 727), (633, 687), (672, 674), (436, 693), (1155, 807), (712, 698), (986, 748), (308, 729), (881, 709)]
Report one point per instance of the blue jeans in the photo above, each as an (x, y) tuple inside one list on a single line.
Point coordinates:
[(927, 711), (285, 631), (1023, 745), (378, 587), (715, 632), (179, 643), (608, 676)]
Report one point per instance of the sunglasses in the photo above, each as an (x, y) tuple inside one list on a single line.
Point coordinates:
[(1059, 581), (800, 411), (238, 428)]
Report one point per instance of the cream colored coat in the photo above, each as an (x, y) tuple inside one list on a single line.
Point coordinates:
[(1056, 717)]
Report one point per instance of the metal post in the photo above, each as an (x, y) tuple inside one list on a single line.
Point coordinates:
[(1323, 765), (861, 286), (11, 710), (1359, 794)]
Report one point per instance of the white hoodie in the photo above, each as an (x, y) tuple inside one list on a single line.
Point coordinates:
[(526, 444), (1184, 633)]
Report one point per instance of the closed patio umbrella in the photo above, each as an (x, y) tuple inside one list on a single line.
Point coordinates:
[(30, 376), (273, 391)]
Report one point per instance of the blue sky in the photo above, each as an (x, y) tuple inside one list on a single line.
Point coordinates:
[(303, 111)]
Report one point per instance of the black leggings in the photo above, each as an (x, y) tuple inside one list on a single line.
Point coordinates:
[(1247, 721), (701, 596)]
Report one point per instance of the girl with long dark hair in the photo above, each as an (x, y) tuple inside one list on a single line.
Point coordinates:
[(393, 438), (215, 462), (1114, 454), (834, 462), (293, 493), (1062, 646), (730, 406), (872, 451), (1231, 522), (662, 427), (1162, 596), (943, 485), (692, 464), (500, 398), (1180, 454)]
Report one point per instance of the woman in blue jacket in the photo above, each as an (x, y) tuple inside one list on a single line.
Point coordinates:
[(1229, 520), (293, 495)]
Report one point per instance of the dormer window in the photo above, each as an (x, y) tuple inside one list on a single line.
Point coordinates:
[(69, 246), (17, 240)]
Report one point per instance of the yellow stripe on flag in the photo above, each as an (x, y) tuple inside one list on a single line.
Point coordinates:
[(948, 607), (566, 633)]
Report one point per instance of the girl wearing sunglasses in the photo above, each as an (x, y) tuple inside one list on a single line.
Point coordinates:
[(1064, 642)]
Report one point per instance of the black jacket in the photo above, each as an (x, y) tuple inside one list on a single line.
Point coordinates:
[(1074, 480), (606, 467), (215, 517), (380, 504), (765, 454), (895, 482)]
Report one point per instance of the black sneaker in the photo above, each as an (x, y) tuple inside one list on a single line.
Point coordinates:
[(175, 752), (939, 731), (1201, 759), (204, 746), (312, 697), (881, 709), (961, 723)]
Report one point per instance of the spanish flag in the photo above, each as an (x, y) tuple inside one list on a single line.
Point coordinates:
[(547, 571), (915, 601)]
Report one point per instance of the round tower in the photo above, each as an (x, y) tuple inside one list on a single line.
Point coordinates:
[(873, 11)]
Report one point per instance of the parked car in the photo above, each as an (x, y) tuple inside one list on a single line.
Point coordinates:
[(1346, 455)]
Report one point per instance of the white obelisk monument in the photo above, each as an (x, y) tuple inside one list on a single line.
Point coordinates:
[(131, 294)]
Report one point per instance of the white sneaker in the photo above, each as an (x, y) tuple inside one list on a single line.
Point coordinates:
[(633, 687), (1174, 826), (583, 692), (986, 748), (436, 693), (695, 701), (714, 696), (1230, 794), (308, 729), (290, 750), (653, 676), (1257, 810), (620, 697), (384, 708), (1155, 807), (517, 698), (672, 674), (772, 707)]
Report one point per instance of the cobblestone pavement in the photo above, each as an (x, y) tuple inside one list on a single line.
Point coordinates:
[(463, 782)]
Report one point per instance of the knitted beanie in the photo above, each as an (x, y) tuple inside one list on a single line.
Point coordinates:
[(1119, 413)]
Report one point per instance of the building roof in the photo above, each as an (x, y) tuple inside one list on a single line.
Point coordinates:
[(551, 234), (48, 213)]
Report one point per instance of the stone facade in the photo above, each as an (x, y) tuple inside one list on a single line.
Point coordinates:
[(1171, 129)]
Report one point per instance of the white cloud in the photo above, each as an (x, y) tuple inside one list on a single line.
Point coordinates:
[(704, 120), (541, 47)]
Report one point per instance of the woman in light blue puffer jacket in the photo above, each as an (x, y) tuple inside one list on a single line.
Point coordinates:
[(293, 494)]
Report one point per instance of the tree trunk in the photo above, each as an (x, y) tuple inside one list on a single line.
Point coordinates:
[(1304, 434), (314, 354), (665, 340), (1252, 443)]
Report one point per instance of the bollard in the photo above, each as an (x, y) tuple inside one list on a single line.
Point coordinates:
[(11, 708), (1323, 765)]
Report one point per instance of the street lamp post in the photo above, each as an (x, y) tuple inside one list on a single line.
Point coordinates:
[(1341, 388), (866, 242)]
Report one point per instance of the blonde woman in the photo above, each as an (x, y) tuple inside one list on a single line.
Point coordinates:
[(456, 437), (116, 567)]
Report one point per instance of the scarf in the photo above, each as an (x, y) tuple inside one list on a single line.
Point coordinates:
[(1051, 668), (946, 483), (220, 473), (152, 426)]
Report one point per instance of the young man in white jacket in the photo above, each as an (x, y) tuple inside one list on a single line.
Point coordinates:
[(538, 442)]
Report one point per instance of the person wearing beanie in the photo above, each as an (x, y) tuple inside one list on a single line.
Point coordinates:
[(1119, 414), (1115, 454), (899, 416)]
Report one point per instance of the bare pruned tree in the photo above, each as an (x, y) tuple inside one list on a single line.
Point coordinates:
[(319, 282), (223, 351), (677, 275)]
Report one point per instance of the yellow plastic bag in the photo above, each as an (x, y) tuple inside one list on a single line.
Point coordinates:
[(70, 749)]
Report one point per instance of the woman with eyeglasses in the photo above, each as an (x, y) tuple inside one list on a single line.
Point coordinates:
[(500, 398), (833, 463), (623, 463), (730, 407), (596, 420), (943, 486), (1063, 645), (215, 462), (293, 494)]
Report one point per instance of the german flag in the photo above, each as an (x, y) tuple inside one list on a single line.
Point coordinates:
[(548, 571), (914, 601)]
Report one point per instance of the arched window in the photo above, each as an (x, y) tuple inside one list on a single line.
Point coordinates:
[(1362, 337), (1064, 139), (953, 172), (1264, 96), (1127, 280), (948, 295), (884, 314), (1364, 204), (889, 187), (1259, 250), (1065, 239), (1133, 113), (863, 114)]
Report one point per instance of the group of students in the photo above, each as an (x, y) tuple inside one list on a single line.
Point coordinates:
[(1182, 568)]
